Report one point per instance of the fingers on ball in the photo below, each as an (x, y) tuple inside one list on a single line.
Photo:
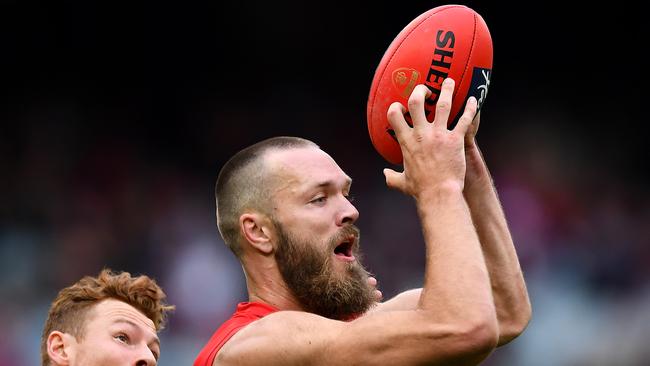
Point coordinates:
[(443, 106), (468, 114), (416, 104), (395, 116)]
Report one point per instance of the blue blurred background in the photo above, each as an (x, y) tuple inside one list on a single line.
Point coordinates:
[(116, 118)]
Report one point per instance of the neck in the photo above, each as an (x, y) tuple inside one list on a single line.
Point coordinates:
[(265, 285)]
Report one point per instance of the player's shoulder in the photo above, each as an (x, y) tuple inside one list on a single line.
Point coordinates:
[(283, 337), (286, 323)]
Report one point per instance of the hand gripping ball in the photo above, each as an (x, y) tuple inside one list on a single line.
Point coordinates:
[(446, 41)]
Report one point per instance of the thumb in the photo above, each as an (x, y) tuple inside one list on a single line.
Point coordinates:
[(393, 178)]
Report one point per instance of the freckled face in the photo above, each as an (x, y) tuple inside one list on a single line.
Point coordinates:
[(116, 334)]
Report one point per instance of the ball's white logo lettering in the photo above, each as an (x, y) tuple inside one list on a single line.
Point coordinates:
[(484, 87)]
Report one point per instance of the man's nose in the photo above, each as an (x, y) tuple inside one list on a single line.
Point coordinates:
[(145, 357), (348, 215)]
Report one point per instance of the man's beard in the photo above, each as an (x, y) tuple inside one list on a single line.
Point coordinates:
[(310, 275)]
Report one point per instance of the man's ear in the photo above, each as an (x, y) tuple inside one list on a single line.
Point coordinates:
[(256, 229), (60, 347)]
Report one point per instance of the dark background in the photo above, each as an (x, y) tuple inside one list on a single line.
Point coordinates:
[(115, 119)]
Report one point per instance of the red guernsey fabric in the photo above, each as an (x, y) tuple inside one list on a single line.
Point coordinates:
[(247, 312)]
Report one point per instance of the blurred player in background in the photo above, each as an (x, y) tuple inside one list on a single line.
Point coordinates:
[(111, 319), (284, 209)]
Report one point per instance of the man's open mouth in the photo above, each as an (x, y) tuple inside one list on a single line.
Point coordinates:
[(344, 250)]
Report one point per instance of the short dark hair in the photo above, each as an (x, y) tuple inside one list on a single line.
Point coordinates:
[(68, 311), (243, 183)]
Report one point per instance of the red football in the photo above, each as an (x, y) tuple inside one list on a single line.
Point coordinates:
[(446, 41)]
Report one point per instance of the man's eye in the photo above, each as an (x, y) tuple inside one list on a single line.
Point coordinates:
[(122, 338), (319, 200)]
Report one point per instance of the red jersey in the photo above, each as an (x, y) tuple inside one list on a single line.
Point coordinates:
[(247, 312)]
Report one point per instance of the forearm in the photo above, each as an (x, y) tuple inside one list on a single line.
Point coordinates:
[(407, 300), (508, 285), (456, 282), (455, 310)]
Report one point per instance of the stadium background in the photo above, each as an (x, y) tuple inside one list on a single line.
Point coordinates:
[(117, 117)]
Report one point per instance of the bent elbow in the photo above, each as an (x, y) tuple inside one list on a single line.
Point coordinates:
[(481, 336), (474, 340), (514, 327), (466, 341)]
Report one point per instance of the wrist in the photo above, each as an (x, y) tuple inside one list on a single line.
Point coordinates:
[(475, 164), (472, 152), (440, 192)]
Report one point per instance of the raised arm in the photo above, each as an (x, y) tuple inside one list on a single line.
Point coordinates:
[(508, 286), (455, 319)]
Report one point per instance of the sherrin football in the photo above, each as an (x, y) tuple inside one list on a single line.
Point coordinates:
[(446, 41)]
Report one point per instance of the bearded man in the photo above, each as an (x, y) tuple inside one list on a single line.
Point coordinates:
[(283, 208)]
